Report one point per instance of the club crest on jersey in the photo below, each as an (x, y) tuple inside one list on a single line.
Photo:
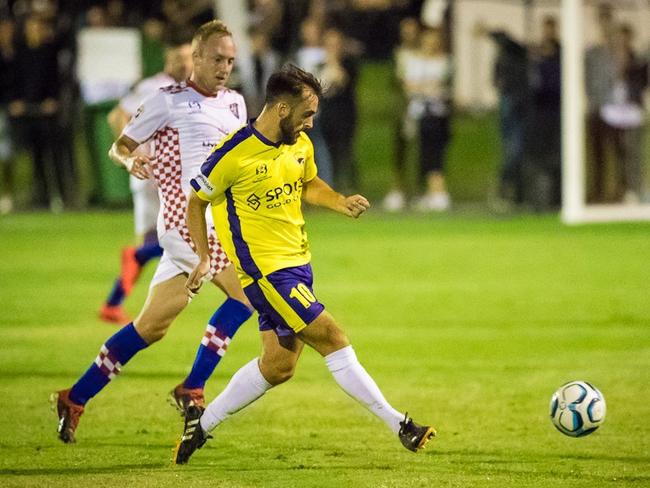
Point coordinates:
[(194, 107), (234, 108), (261, 172)]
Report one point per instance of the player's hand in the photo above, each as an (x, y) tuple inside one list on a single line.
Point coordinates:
[(196, 277), (139, 166), (355, 205)]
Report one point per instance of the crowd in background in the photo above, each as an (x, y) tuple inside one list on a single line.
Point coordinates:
[(529, 82), (616, 76), (40, 99)]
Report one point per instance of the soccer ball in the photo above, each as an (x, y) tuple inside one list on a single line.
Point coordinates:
[(577, 408)]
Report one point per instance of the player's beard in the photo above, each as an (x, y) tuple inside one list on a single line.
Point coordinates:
[(288, 134)]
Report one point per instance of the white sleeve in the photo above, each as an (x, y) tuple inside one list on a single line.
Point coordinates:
[(131, 101), (243, 115), (151, 116)]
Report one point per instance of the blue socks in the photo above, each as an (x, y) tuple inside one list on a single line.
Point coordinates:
[(117, 294), (221, 328), (126, 343), (147, 252), (114, 354), (144, 254)]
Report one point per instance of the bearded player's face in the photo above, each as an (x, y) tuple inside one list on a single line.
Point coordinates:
[(300, 118)]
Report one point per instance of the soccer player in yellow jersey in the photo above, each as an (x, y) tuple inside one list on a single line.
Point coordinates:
[(256, 180)]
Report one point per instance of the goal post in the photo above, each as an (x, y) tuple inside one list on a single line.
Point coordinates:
[(575, 209)]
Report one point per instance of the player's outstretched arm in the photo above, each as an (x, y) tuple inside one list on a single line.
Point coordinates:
[(197, 226), (117, 120), (122, 153), (317, 192)]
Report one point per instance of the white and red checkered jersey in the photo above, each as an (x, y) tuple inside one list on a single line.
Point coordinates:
[(130, 103), (184, 124)]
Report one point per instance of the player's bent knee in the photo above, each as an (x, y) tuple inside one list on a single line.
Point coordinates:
[(279, 376), (152, 331), (277, 373)]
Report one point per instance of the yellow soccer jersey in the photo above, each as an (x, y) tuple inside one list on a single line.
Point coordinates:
[(255, 187)]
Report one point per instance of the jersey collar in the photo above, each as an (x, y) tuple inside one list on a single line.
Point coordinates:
[(259, 135), (196, 87)]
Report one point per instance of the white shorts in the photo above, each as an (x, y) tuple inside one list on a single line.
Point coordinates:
[(146, 204), (179, 257)]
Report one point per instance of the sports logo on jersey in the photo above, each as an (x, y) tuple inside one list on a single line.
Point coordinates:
[(234, 108), (194, 106), (284, 195), (139, 111), (253, 201)]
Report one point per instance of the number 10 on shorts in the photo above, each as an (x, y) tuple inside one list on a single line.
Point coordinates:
[(303, 295)]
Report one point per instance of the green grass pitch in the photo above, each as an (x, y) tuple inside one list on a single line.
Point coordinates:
[(467, 322)]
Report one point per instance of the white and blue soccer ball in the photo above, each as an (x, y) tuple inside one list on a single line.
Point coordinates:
[(577, 408)]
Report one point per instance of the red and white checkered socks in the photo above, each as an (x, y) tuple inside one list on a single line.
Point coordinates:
[(222, 326), (115, 353)]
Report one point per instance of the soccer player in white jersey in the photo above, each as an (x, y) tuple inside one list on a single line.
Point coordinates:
[(178, 67), (184, 121), (256, 181)]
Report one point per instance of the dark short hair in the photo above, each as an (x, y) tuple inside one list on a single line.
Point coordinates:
[(291, 81)]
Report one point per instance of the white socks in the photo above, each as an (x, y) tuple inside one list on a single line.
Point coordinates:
[(357, 383), (246, 386)]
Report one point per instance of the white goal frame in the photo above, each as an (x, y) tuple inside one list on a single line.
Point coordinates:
[(574, 206)]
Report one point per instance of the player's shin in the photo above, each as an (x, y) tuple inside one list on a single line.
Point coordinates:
[(222, 326), (356, 382), (246, 386), (114, 354)]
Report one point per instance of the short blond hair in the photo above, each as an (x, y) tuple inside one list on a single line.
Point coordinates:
[(207, 30)]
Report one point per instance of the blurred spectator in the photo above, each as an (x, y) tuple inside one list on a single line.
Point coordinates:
[(153, 49), (310, 56), (405, 127), (266, 17), (375, 23), (97, 17), (543, 165), (428, 80), (35, 106), (600, 73), (187, 14), (265, 62), (623, 113), (511, 80), (339, 109), (7, 61)]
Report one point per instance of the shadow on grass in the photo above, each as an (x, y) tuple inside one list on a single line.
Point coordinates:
[(35, 374), (510, 458), (81, 470)]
